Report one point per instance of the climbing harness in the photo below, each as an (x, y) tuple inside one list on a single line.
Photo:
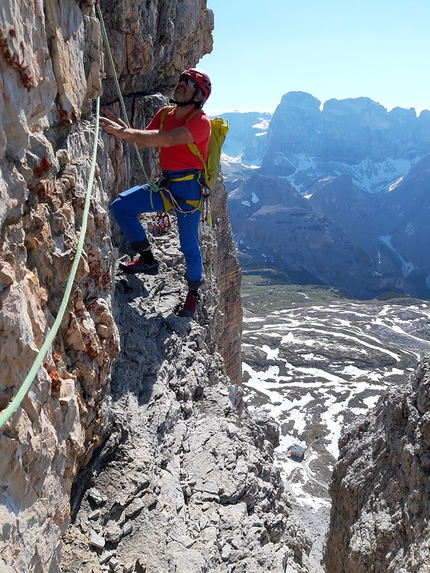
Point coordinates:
[(16, 402), (162, 222), (171, 201)]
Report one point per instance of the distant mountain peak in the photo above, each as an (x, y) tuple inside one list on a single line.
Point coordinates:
[(363, 174)]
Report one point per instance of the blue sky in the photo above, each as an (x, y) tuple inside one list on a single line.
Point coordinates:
[(328, 48)]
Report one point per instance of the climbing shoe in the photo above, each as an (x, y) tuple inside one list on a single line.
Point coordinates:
[(189, 306), (139, 266)]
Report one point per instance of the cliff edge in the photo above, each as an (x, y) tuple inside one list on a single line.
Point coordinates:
[(380, 488)]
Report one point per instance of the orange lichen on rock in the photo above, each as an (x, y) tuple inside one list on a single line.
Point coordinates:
[(14, 59), (43, 168), (55, 381), (68, 118)]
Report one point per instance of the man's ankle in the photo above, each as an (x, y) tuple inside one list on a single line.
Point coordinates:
[(148, 257)]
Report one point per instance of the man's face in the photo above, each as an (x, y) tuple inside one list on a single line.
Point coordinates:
[(185, 89)]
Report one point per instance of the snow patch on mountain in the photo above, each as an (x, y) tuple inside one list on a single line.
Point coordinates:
[(396, 183), (234, 165), (318, 368), (232, 150), (263, 126), (233, 155), (368, 176), (375, 177), (246, 141)]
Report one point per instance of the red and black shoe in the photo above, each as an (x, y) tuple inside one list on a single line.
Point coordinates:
[(189, 306), (139, 266)]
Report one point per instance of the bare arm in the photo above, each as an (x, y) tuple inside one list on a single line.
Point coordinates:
[(144, 137)]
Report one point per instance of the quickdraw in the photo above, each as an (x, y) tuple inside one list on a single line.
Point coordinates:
[(206, 215), (162, 222)]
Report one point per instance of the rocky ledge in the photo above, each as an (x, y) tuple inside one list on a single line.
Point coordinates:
[(184, 481), (380, 487)]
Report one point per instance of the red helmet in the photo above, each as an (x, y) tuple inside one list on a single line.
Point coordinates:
[(201, 78)]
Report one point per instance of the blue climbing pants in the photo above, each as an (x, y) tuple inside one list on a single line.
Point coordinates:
[(137, 200)]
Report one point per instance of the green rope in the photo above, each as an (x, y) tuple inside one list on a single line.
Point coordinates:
[(153, 186), (7, 413)]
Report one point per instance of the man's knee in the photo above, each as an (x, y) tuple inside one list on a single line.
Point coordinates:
[(191, 251)]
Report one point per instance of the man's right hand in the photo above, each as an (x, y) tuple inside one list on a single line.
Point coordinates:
[(112, 117)]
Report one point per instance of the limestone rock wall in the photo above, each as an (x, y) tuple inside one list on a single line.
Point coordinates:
[(228, 333), (345, 131), (380, 488), (51, 69), (46, 139)]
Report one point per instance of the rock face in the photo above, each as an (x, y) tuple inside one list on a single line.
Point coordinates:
[(227, 275), (380, 487), (388, 228), (277, 226), (405, 206), (45, 149), (184, 481), (51, 70)]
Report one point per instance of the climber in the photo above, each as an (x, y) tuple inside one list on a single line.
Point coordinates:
[(182, 174)]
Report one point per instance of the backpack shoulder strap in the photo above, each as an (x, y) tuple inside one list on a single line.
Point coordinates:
[(164, 112), (195, 112), (193, 146)]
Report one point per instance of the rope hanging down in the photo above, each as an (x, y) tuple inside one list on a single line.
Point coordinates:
[(153, 186), (16, 402)]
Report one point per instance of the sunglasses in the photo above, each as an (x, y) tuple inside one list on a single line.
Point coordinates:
[(187, 81)]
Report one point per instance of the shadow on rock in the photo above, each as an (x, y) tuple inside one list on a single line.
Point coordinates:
[(149, 338)]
